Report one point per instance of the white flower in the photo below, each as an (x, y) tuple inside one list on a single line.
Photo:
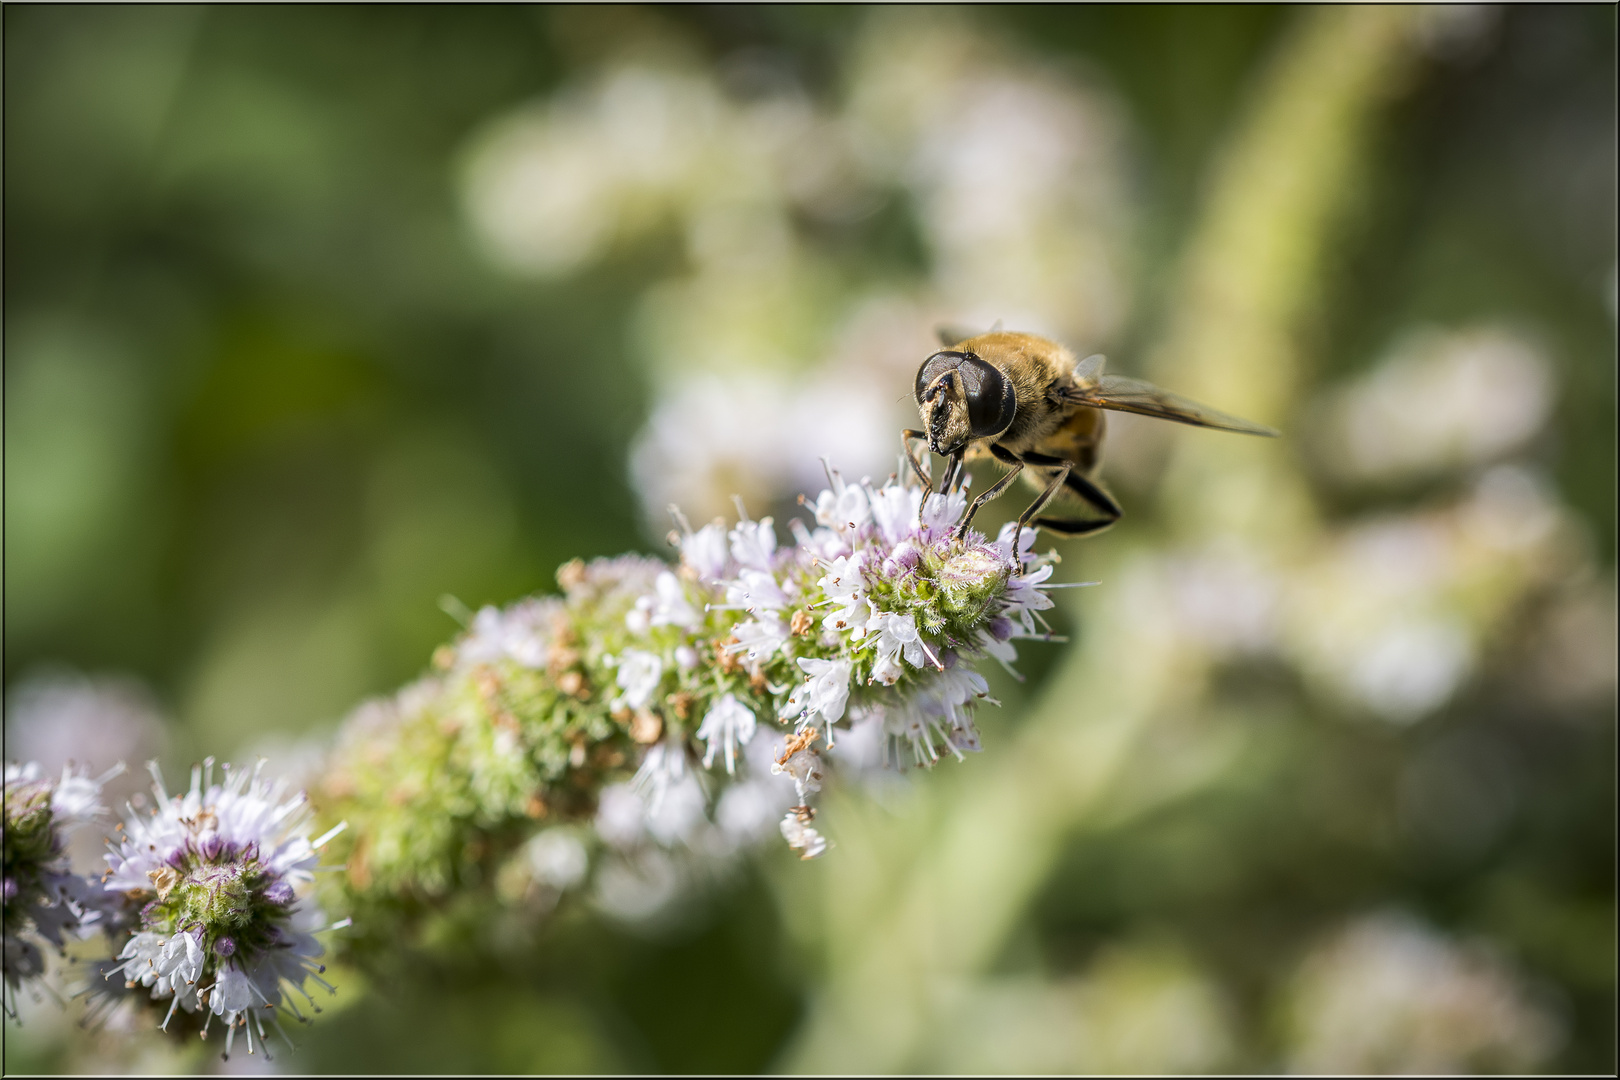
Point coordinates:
[(232, 993), (639, 674), (670, 606), (1026, 542), (672, 796), (845, 589), (805, 767), (756, 590), (939, 514), (753, 544), (705, 551), (1024, 598), (181, 961), (77, 799), (729, 724), (823, 693), (142, 951), (845, 506), (802, 837), (954, 688), (823, 545), (896, 638), (761, 636)]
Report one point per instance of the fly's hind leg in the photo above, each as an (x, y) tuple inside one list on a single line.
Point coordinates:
[(1065, 471), (907, 437), (1081, 485)]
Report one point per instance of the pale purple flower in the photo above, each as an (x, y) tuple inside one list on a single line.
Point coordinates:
[(520, 633), (894, 509), (44, 900), (217, 861)]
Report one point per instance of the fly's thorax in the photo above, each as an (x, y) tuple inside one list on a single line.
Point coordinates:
[(1038, 371)]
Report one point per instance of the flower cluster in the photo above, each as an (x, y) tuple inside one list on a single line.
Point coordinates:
[(226, 928), (44, 900), (638, 701)]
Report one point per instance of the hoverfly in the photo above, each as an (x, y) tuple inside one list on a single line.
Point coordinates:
[(1028, 403)]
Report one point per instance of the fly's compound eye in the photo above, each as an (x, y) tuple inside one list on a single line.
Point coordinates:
[(933, 368), (991, 400)]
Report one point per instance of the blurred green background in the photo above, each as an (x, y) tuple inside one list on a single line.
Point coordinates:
[(272, 389)]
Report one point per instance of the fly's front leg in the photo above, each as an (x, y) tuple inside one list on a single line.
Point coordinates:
[(907, 437), (952, 480), (1006, 457)]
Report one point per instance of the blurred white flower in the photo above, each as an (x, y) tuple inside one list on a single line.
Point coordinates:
[(557, 858), (54, 718), (638, 676), (758, 435), (672, 795), (764, 356), (639, 886), (1389, 995), (619, 816), (1440, 400), (521, 632), (1018, 171), (1392, 613), (1136, 1010), (551, 186), (1411, 668)]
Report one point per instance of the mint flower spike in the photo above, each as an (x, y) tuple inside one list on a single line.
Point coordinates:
[(43, 899), (226, 927), (640, 700), (876, 617)]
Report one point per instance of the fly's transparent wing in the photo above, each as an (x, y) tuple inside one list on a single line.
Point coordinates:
[(1090, 369), (1133, 395)]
